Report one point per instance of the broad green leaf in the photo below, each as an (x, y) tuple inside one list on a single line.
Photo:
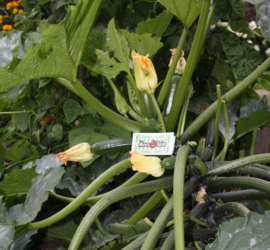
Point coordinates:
[(250, 232), (113, 131), (110, 67), (186, 10), (24, 213), (222, 11), (87, 109), (72, 110), (66, 42), (263, 18), (56, 133), (231, 44), (247, 63), (56, 4), (239, 25), (253, 105), (22, 241), (46, 162), (221, 71), (143, 44), (70, 184), (17, 183), (6, 228), (155, 26), (247, 124), (63, 230), (239, 7)]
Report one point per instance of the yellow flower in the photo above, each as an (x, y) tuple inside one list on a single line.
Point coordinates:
[(145, 73), (80, 153), (20, 11), (150, 165), (14, 11), (181, 64)]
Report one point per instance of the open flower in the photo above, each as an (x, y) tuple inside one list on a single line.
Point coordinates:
[(181, 64), (145, 73), (80, 153), (146, 164)]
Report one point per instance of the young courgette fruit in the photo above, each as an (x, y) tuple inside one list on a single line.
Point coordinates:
[(169, 98), (119, 144), (148, 105)]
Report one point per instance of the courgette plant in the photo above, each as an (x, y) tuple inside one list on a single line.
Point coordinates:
[(57, 54)]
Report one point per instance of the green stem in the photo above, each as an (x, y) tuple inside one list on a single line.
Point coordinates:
[(216, 126), (109, 114), (100, 227), (158, 113), (158, 226), (210, 111), (138, 94), (14, 112), (166, 198), (178, 184), (14, 164), (197, 245), (182, 119), (191, 218), (253, 141), (166, 84), (191, 63), (169, 242), (265, 204), (233, 165), (115, 196), (226, 140), (135, 179), (108, 174), (255, 169), (232, 207)]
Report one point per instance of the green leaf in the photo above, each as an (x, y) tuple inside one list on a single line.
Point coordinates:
[(263, 18), (72, 110), (222, 11), (22, 241), (22, 119), (87, 109), (221, 71), (46, 162), (143, 44), (6, 228), (265, 81), (72, 185), (56, 133), (24, 213), (113, 131), (155, 26), (239, 7), (17, 183), (56, 4), (250, 232), (66, 41), (239, 25), (186, 10), (247, 124), (231, 44), (63, 230), (253, 105), (247, 63)]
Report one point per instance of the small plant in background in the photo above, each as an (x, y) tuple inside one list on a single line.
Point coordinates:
[(207, 194)]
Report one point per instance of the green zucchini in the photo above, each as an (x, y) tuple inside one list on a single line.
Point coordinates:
[(170, 95), (119, 144), (148, 105)]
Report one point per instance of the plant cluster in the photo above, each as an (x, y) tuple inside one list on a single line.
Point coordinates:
[(78, 77)]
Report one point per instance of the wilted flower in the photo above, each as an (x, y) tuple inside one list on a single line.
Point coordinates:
[(80, 153), (146, 164), (145, 73), (181, 64)]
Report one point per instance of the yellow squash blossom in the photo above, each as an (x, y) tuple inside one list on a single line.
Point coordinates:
[(146, 164), (145, 73), (80, 153), (181, 64)]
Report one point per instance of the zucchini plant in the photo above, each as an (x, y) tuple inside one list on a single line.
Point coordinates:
[(189, 197)]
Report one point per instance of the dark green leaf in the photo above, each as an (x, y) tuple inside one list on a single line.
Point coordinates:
[(22, 241), (46, 162), (250, 232), (2, 167), (239, 25), (102, 242), (231, 44), (56, 4), (155, 26), (186, 10), (72, 185), (63, 230), (72, 110), (87, 109), (6, 228), (221, 71), (143, 44), (253, 105), (263, 18), (222, 11), (17, 183), (24, 213), (113, 131), (239, 7), (56, 132)]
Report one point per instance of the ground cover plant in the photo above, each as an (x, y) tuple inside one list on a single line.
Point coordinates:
[(78, 77)]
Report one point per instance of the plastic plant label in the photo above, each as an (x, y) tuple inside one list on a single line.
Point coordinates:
[(153, 143)]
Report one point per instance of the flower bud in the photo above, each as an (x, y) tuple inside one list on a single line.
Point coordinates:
[(145, 73), (181, 64), (150, 165), (79, 153)]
